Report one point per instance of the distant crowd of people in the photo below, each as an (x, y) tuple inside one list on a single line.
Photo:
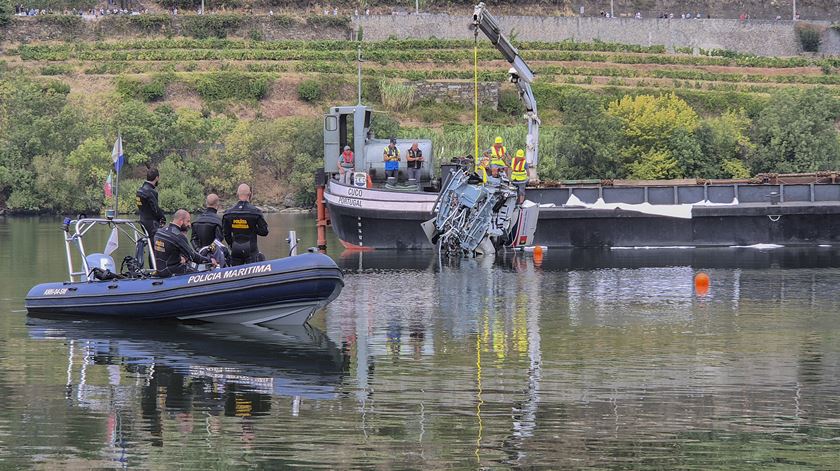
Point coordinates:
[(23, 10)]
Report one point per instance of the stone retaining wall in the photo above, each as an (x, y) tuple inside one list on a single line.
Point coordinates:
[(28, 29), (451, 91), (761, 37)]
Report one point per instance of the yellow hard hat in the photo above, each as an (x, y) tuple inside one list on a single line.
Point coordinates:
[(520, 153), (499, 140)]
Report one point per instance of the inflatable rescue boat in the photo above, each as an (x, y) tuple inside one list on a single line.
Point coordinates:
[(274, 292)]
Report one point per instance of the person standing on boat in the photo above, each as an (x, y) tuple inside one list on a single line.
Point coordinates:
[(481, 169), (173, 251), (345, 166), (391, 156), (151, 216), (241, 225), (207, 229), (519, 174), (415, 162), (498, 153)]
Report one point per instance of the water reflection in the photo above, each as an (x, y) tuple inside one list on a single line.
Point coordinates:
[(297, 361), (603, 359)]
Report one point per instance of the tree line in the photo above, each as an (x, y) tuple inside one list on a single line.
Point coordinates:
[(55, 147)]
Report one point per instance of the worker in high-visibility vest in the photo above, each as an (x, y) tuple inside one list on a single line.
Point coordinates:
[(481, 168), (498, 153), (519, 174)]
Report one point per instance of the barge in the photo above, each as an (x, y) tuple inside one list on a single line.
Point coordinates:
[(783, 210)]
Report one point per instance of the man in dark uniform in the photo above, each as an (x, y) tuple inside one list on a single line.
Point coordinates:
[(207, 229), (172, 250), (151, 216), (242, 224)]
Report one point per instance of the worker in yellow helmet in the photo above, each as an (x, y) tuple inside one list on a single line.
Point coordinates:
[(498, 153), (519, 174)]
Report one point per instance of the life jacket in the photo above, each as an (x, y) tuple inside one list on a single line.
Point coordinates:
[(347, 159), (498, 156), (517, 167)]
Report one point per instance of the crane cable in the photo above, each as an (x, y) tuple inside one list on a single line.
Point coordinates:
[(475, 94)]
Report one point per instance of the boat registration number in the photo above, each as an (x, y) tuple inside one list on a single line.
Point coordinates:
[(55, 291)]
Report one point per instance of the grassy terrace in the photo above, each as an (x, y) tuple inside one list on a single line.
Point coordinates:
[(591, 65)]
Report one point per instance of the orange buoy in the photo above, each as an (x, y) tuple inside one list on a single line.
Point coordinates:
[(701, 283), (538, 255)]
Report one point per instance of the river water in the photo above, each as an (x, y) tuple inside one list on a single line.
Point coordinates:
[(585, 359)]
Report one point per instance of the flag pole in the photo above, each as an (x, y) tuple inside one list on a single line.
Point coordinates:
[(118, 167)]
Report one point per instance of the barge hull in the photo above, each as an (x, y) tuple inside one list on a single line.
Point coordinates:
[(736, 215)]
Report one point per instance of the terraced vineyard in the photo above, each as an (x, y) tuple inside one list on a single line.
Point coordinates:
[(620, 68)]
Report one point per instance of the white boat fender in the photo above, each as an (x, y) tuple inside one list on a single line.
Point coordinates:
[(532, 247)]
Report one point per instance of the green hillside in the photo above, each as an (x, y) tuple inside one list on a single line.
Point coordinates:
[(212, 112)]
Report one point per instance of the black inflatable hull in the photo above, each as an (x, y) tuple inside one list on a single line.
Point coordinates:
[(276, 292)]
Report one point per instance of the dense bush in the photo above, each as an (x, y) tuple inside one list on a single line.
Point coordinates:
[(151, 22), (232, 86), (206, 26), (310, 90), (67, 22), (6, 12), (328, 21), (796, 132), (150, 91), (56, 69), (809, 38)]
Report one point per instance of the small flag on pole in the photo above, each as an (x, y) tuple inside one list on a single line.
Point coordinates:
[(117, 154), (113, 242), (108, 187)]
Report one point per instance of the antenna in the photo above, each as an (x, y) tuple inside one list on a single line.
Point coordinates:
[(359, 58)]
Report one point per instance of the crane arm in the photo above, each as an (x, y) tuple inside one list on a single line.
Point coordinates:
[(520, 74)]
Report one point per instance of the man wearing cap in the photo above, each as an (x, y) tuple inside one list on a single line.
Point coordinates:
[(498, 153), (391, 157), (345, 166), (519, 174)]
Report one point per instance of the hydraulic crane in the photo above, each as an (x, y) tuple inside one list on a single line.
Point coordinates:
[(520, 74)]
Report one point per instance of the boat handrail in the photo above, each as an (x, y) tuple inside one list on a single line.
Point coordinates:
[(135, 231)]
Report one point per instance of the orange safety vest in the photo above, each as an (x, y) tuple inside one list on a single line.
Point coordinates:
[(517, 167)]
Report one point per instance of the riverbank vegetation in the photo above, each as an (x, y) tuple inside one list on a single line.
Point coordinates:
[(213, 112)]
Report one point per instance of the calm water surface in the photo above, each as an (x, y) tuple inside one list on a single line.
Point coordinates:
[(589, 359)]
